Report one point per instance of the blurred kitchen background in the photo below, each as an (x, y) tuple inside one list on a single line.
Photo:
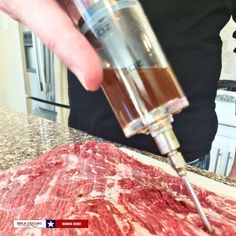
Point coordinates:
[(33, 80)]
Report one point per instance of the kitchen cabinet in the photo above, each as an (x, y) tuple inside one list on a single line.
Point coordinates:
[(223, 150)]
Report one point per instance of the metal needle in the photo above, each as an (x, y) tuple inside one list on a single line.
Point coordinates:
[(168, 145), (178, 163), (197, 203)]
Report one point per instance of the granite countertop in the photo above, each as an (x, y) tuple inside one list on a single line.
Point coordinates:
[(24, 136)]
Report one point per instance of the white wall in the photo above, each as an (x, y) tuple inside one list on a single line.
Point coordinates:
[(2, 72), (12, 92), (228, 57)]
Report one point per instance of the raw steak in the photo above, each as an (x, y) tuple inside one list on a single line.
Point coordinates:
[(117, 194)]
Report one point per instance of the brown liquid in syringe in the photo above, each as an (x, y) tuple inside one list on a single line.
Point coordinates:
[(156, 86)]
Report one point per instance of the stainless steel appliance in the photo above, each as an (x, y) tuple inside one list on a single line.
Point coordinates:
[(45, 81)]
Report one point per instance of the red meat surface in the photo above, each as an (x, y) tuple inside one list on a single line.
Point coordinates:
[(117, 194)]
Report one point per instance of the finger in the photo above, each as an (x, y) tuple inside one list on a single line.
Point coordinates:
[(47, 20)]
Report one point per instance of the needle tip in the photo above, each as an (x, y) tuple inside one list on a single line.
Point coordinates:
[(197, 204)]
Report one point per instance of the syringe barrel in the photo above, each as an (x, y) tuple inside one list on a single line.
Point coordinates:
[(138, 80)]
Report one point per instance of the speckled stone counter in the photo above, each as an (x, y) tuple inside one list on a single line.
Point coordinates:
[(23, 137)]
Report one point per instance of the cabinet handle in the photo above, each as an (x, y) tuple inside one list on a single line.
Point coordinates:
[(227, 163), (217, 159), (40, 68), (235, 107)]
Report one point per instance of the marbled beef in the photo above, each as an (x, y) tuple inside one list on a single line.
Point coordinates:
[(117, 194)]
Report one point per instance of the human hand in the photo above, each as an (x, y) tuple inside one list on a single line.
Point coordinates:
[(50, 22)]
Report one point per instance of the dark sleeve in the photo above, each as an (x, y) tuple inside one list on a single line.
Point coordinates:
[(234, 10)]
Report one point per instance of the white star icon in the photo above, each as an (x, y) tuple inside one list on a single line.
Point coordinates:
[(50, 224)]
